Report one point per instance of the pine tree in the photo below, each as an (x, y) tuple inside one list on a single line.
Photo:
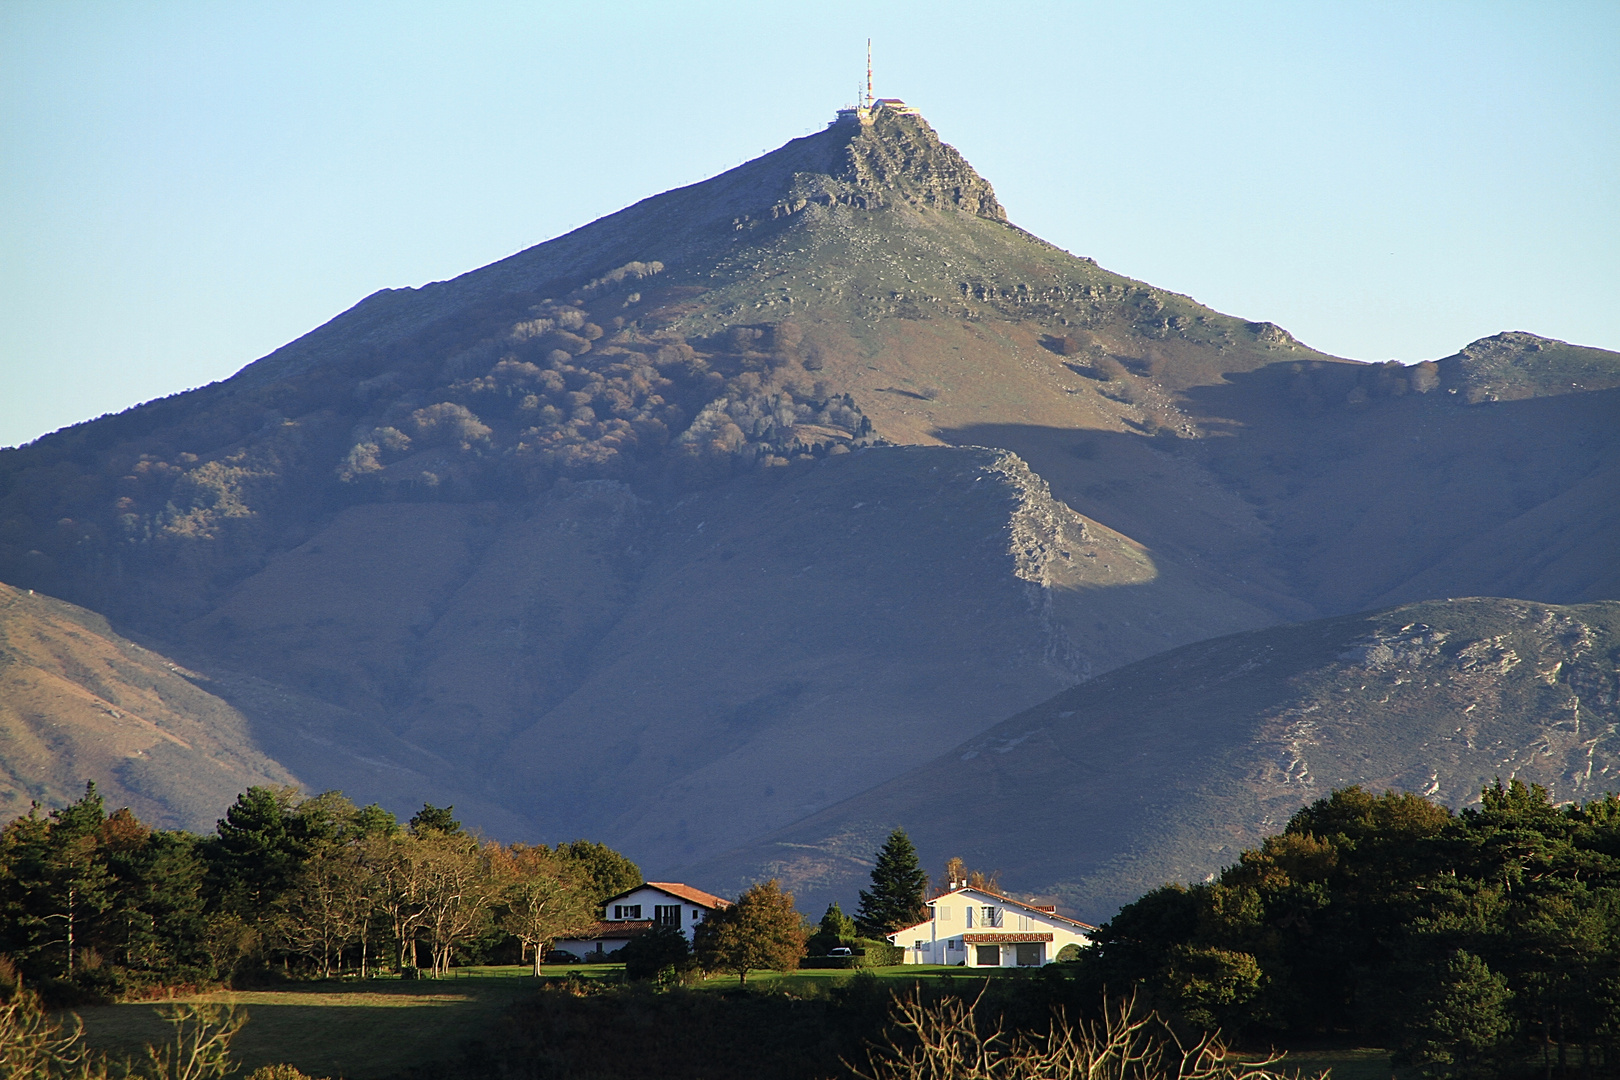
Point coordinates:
[(836, 925), (436, 818), (899, 888), (76, 886), (835, 929), (1461, 1030), (253, 854)]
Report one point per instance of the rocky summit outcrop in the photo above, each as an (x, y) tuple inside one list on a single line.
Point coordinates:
[(893, 158), (1514, 365), (713, 513)]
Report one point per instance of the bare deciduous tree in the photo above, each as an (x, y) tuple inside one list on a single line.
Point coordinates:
[(543, 897), (457, 889), (329, 907)]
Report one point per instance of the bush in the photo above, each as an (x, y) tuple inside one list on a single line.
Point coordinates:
[(954, 1037), (1067, 344), (280, 1072), (661, 948), (872, 953), (1108, 369)]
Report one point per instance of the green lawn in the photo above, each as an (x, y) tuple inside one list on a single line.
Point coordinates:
[(356, 1030), (371, 1029), (1360, 1063), (904, 973)]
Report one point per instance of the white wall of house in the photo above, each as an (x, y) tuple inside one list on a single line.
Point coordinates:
[(975, 928), (645, 904), (582, 947)]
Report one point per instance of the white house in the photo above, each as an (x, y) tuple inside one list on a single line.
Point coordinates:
[(980, 928), (635, 911)]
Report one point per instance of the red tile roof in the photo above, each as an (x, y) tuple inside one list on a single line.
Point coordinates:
[(680, 892), (691, 895)]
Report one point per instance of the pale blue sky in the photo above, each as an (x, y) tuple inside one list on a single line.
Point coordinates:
[(186, 186)]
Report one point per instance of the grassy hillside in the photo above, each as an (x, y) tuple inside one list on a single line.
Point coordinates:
[(78, 702), (1164, 770)]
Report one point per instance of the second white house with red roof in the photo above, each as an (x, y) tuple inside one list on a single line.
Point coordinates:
[(635, 911), (979, 928)]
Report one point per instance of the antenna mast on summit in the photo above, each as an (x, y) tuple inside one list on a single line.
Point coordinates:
[(868, 73)]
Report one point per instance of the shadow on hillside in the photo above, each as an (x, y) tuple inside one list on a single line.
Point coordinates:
[(1318, 499)]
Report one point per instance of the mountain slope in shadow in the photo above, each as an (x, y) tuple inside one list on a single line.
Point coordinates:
[(1165, 769)]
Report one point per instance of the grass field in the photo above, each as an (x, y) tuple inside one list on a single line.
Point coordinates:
[(363, 1031), (375, 1029), (360, 1031), (1358, 1063)]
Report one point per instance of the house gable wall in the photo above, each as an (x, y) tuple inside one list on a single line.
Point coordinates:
[(975, 928), (645, 903)]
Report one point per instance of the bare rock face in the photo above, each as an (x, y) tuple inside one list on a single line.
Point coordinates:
[(901, 158), (897, 159)]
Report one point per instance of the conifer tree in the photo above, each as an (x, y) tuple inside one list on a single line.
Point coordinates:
[(1461, 1030), (899, 887), (436, 818)]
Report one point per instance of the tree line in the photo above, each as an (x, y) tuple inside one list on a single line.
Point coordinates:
[(102, 904), (1479, 943), (98, 904)]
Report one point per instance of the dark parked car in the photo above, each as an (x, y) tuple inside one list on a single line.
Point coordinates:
[(557, 956)]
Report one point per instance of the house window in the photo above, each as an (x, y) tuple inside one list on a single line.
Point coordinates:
[(988, 956), (969, 913), (1029, 954), (944, 914), (990, 916), (667, 914), (697, 915), (1025, 922), (627, 911)]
